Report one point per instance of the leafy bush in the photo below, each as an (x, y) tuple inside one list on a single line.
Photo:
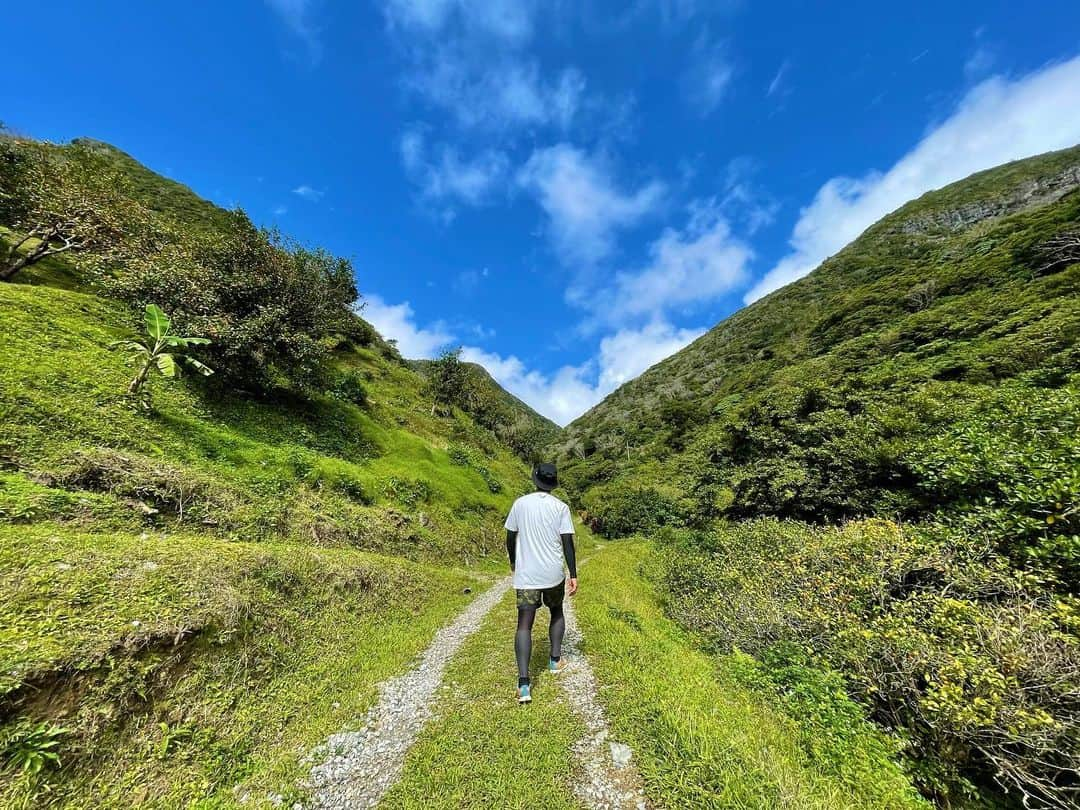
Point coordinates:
[(32, 748), (1011, 473), (620, 511), (348, 386), (934, 633), (408, 492), (268, 305)]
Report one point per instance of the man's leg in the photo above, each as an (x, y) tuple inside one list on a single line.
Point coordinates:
[(553, 598), (556, 631), (523, 642)]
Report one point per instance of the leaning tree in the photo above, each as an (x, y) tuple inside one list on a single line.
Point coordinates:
[(60, 200)]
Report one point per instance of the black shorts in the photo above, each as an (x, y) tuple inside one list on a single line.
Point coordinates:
[(532, 597)]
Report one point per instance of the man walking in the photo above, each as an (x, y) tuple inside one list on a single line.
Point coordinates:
[(539, 536)]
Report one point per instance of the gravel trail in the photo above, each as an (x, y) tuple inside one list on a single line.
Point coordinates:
[(359, 767), (611, 782)]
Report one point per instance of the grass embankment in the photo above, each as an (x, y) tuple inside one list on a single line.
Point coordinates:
[(191, 671), (186, 590), (703, 738), (483, 750), (385, 476)]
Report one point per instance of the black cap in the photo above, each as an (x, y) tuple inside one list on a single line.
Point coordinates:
[(545, 476)]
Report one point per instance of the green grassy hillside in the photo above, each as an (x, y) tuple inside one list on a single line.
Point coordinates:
[(199, 592), (949, 289), (907, 418), (527, 431)]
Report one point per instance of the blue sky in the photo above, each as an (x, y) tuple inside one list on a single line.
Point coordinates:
[(569, 190)]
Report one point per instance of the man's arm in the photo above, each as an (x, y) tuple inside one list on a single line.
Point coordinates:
[(511, 548), (571, 561)]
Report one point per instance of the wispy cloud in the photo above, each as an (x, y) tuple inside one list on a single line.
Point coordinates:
[(498, 92), (997, 121), (777, 84), (308, 193), (981, 60), (297, 16), (708, 75), (280, 210), (445, 178), (584, 204), (471, 59), (687, 268)]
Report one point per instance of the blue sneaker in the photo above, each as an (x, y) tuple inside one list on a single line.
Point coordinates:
[(555, 667), (523, 694)]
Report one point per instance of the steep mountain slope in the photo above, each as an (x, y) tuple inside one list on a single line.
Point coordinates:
[(952, 288), (869, 483), (199, 592), (527, 431)]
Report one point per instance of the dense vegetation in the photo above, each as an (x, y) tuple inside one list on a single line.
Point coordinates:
[(453, 382), (198, 592), (924, 382)]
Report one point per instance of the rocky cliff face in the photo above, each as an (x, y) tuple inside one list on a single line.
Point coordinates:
[(1028, 194)]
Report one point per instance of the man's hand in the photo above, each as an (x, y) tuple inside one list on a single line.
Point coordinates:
[(571, 586)]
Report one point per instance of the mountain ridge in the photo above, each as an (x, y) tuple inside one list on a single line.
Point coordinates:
[(1039, 180)]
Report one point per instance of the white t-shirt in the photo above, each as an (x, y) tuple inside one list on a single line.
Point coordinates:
[(539, 518)]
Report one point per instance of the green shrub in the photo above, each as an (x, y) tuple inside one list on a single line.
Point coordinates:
[(266, 303), (459, 455), (934, 634), (349, 387), (620, 511), (408, 492), (33, 748), (1011, 473)]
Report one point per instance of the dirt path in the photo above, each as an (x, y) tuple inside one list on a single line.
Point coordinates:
[(360, 766)]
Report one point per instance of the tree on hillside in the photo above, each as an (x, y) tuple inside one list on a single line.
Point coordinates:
[(1060, 252), (270, 306), (451, 383), (59, 203), (161, 349)]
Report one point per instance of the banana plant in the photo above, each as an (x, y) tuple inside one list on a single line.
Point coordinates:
[(162, 350)]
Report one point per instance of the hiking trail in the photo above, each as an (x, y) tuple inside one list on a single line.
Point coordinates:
[(356, 769)]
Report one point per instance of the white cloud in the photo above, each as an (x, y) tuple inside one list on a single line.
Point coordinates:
[(280, 210), (707, 77), (309, 193), (998, 121), (584, 205), (567, 393), (686, 268), (498, 92), (510, 20), (981, 60), (628, 352), (447, 177), (397, 322), (777, 83), (469, 58)]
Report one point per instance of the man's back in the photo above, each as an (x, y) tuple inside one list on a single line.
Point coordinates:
[(539, 518)]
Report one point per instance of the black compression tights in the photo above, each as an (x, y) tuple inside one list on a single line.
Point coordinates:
[(523, 638)]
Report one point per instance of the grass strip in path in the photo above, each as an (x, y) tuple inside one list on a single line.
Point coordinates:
[(701, 739), (482, 750)]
